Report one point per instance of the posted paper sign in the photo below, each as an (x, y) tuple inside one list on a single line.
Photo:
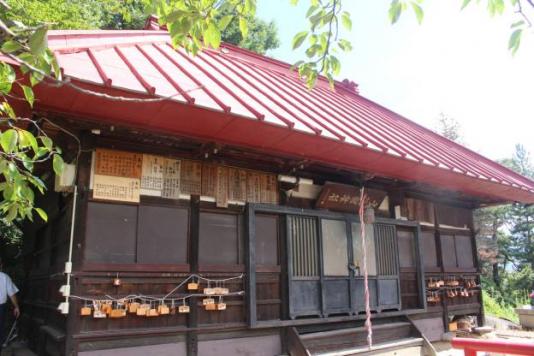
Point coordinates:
[(116, 188)]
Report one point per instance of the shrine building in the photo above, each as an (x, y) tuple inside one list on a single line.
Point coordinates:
[(216, 209)]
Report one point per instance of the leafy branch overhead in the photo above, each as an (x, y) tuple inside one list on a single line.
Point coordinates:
[(493, 7), (22, 141)]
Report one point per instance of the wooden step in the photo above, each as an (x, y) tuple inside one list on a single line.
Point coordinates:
[(404, 347), (330, 333), (333, 340)]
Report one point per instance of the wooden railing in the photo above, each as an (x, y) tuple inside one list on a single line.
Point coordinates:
[(471, 346)]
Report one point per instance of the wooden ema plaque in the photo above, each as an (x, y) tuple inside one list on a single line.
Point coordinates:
[(209, 179), (237, 184), (116, 188), (171, 179), (118, 163), (253, 187), (152, 175), (221, 187), (190, 177)]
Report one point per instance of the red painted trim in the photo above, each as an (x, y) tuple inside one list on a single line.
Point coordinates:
[(150, 89), (176, 86), (107, 81), (471, 346)]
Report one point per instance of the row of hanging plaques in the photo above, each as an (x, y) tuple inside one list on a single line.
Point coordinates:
[(125, 176), (101, 309), (152, 307)]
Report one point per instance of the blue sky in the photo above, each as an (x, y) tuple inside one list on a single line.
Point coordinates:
[(456, 62)]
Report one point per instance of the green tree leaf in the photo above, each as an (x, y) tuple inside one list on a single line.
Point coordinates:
[(299, 39), (11, 46), (47, 142), (346, 21), (515, 40), (58, 164), (27, 139), (28, 94), (225, 21), (243, 26), (395, 10), (8, 140), (7, 77), (212, 36), (42, 214), (465, 3), (38, 41), (12, 212), (419, 14)]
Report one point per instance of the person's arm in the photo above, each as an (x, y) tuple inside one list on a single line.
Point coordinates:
[(12, 291), (16, 309)]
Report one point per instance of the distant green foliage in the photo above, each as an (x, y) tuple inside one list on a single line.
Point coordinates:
[(80, 14), (494, 308), (58, 14), (262, 36)]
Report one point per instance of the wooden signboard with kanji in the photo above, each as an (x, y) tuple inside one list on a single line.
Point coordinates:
[(221, 193), (171, 179), (237, 184), (191, 177), (269, 189), (341, 197), (116, 188), (118, 163), (152, 175), (209, 179), (253, 187)]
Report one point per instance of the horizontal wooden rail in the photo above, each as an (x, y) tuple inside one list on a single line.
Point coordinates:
[(471, 346)]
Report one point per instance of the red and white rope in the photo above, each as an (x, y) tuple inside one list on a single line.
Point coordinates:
[(368, 326)]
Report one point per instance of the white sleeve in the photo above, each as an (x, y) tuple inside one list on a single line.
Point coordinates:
[(11, 288)]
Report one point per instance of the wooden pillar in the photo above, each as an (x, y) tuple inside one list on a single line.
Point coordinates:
[(192, 319), (250, 248), (421, 286), (439, 253)]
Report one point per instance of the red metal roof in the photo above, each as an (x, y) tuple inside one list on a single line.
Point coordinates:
[(238, 97)]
